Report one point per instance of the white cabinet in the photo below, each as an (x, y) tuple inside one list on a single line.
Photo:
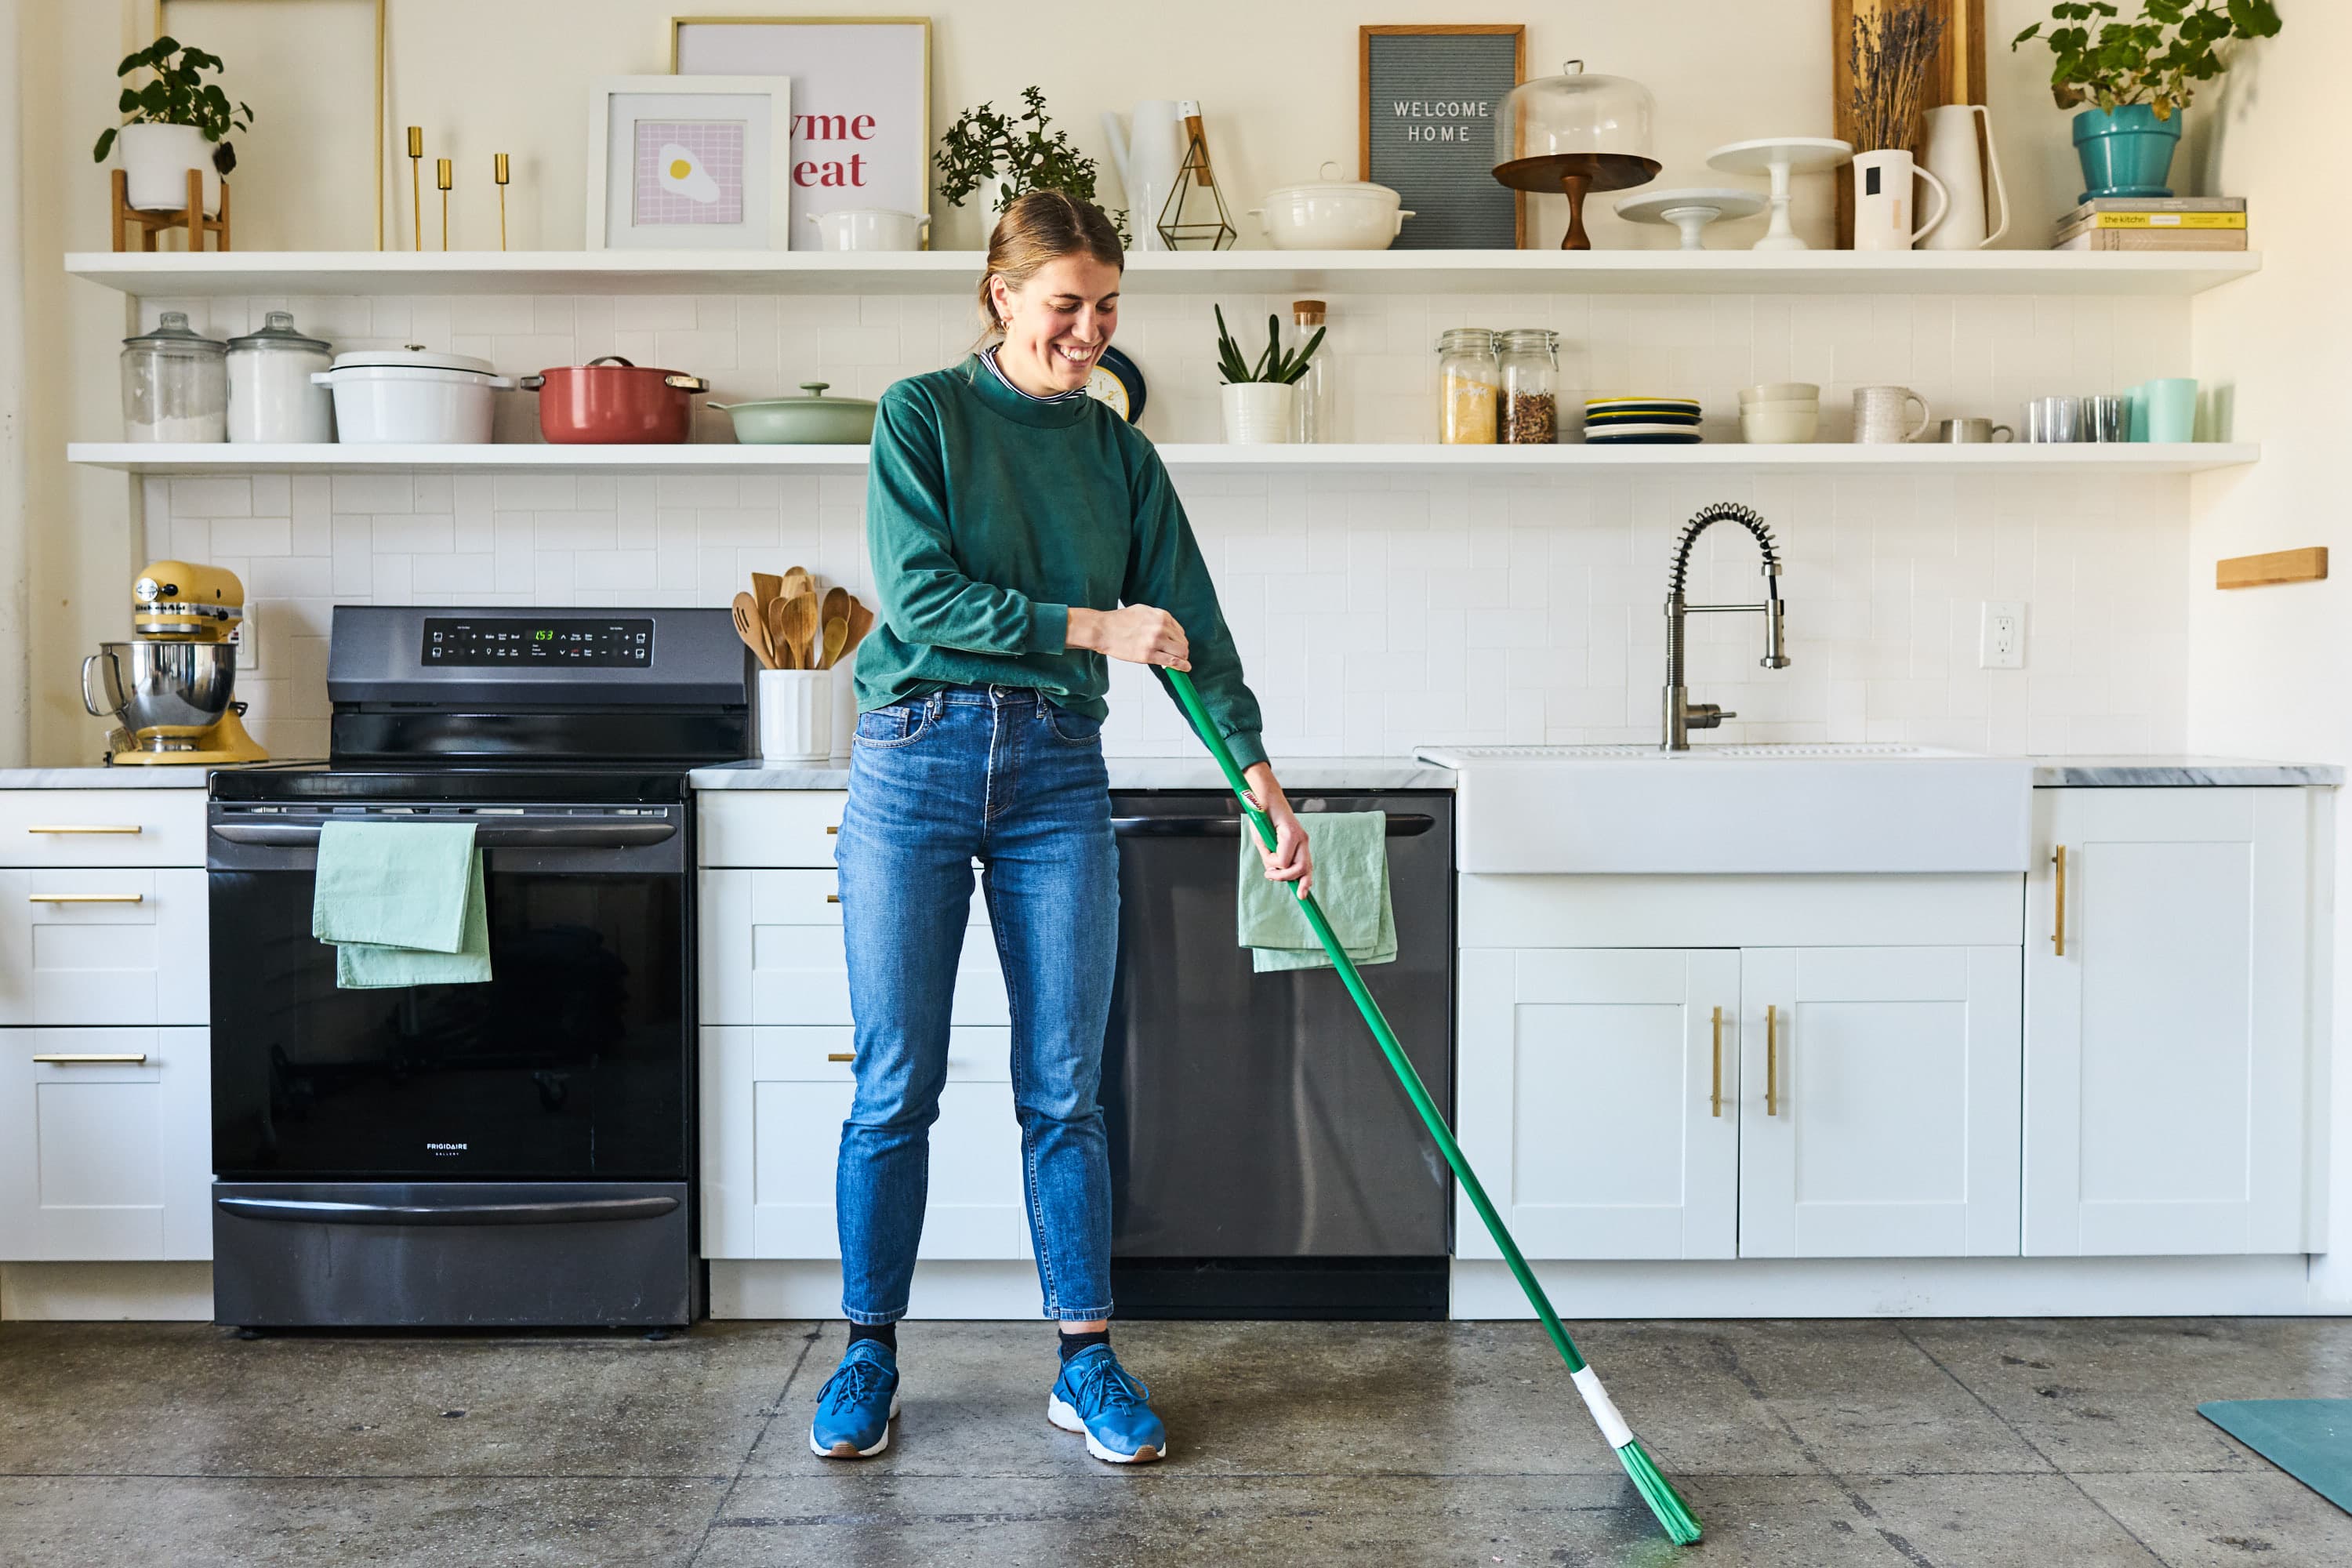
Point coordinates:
[(105, 1145), (771, 952), (103, 946), (2169, 1035), (1883, 1116), (1600, 1103)]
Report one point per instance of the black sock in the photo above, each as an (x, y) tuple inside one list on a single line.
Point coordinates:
[(1073, 1343), (887, 1334)]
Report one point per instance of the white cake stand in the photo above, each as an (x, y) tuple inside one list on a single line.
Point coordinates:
[(1780, 156), (1690, 211)]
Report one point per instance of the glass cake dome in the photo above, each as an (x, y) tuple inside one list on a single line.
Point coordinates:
[(1575, 134)]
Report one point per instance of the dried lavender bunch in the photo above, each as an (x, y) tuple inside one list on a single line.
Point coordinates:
[(1888, 54)]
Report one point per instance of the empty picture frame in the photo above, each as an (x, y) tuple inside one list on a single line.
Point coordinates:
[(861, 104), (699, 163)]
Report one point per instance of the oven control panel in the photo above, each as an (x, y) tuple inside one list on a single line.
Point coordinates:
[(626, 644)]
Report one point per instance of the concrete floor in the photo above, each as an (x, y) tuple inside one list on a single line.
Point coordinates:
[(2067, 1444)]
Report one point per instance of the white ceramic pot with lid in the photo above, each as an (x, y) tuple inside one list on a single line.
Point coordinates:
[(1331, 214), (869, 228), (412, 396), (271, 395)]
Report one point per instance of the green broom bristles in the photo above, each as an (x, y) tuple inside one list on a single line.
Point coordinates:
[(1681, 1525)]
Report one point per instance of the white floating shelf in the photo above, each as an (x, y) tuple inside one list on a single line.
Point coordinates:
[(158, 458), (315, 272)]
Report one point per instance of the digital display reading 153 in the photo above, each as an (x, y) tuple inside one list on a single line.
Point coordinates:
[(627, 644)]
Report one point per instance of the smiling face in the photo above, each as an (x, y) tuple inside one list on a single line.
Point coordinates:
[(1057, 324)]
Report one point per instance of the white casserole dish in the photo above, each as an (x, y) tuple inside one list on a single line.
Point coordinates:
[(1331, 214), (869, 228), (412, 396)]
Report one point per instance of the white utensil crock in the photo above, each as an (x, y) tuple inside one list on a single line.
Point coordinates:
[(1952, 157), (1882, 201), (1258, 413), (796, 715), (869, 229), (157, 159), (1878, 416)]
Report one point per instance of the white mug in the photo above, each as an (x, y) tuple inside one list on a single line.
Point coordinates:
[(1882, 201), (1878, 413)]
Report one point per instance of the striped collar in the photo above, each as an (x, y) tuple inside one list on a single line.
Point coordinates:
[(988, 358)]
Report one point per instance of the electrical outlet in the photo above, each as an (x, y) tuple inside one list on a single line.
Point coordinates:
[(2002, 643), (245, 638)]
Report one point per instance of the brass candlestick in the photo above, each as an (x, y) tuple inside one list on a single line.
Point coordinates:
[(498, 172), (416, 183), (443, 178)]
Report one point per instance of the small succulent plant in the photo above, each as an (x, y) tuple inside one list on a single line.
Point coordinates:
[(1276, 365)]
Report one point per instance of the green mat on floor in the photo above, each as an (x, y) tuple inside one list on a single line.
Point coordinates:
[(2310, 1439)]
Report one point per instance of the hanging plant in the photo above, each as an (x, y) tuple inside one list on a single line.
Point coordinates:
[(178, 95), (2156, 60)]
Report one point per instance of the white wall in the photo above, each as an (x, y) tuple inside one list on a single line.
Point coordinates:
[(2268, 665)]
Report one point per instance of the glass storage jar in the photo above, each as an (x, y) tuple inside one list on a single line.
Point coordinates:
[(1466, 386), (1528, 405), (175, 384), (1311, 418), (271, 397)]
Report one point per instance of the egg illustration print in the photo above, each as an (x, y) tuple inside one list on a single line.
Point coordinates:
[(682, 174)]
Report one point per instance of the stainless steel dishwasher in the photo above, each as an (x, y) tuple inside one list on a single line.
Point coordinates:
[(1264, 1161)]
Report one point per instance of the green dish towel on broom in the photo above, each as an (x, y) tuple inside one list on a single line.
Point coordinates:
[(402, 903), (1351, 883)]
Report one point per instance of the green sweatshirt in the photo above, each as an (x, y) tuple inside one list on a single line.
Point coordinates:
[(988, 514)]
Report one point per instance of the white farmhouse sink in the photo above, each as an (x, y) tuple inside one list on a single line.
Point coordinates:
[(1736, 810)]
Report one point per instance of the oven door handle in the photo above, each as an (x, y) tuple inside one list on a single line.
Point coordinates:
[(568, 1211), (1401, 824), (553, 835)]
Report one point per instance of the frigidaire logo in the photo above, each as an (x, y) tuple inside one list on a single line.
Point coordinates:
[(445, 1148)]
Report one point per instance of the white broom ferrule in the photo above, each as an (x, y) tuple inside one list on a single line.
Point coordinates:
[(1603, 1408)]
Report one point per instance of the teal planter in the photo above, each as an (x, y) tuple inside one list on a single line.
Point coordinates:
[(2128, 153)]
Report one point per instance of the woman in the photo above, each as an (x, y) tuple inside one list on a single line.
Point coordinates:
[(1010, 517)]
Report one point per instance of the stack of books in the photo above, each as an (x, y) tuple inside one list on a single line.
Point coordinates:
[(2154, 222)]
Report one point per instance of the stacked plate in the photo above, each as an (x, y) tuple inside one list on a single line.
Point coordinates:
[(1641, 421)]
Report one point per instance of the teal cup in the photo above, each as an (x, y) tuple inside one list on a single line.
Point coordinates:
[(2135, 412), (2171, 404)]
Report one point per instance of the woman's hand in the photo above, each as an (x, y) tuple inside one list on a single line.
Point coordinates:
[(1138, 633), (1290, 860)]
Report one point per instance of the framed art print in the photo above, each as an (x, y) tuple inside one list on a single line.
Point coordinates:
[(1425, 127), (861, 104), (689, 165)]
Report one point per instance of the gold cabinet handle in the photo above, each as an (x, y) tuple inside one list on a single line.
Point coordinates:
[(841, 1055), (2058, 925), (1771, 1060), (833, 898), (127, 1059), (85, 898), (834, 827), (72, 828), (1716, 1097)]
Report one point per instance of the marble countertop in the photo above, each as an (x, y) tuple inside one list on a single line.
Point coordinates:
[(2173, 773), (148, 776), (1299, 774)]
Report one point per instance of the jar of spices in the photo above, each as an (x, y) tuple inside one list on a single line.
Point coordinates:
[(175, 384), (1527, 408), (270, 395), (1466, 385)]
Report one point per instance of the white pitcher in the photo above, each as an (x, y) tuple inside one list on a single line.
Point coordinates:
[(1146, 163), (1882, 201), (1952, 158)]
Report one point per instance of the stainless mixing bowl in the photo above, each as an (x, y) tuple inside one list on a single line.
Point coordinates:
[(162, 688)]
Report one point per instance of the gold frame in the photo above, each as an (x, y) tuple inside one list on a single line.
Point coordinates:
[(382, 146), (922, 22)]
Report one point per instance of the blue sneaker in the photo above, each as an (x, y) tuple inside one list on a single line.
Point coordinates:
[(854, 1406), (1098, 1396)]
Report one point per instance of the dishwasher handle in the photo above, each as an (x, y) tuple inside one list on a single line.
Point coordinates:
[(1400, 824), (563, 1211), (554, 835)]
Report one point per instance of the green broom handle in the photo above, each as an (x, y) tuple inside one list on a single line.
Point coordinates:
[(1182, 684)]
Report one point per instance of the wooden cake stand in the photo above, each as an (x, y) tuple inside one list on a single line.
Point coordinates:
[(1578, 175)]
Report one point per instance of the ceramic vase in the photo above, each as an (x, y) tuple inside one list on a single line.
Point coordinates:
[(157, 159), (1882, 201), (2126, 152), (1258, 413), (1953, 157)]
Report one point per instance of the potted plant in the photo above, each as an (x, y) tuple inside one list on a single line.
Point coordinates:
[(2136, 78), (1001, 156), (1258, 395), (171, 120)]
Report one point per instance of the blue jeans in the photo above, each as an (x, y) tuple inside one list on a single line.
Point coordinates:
[(1000, 775)]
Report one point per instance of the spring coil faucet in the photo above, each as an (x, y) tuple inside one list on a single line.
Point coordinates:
[(1683, 716)]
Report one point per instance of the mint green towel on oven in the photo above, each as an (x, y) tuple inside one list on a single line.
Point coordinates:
[(1351, 884), (402, 903)]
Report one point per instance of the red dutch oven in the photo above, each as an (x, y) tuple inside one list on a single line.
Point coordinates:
[(609, 400)]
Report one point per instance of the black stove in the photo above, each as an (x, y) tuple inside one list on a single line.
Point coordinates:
[(518, 1152)]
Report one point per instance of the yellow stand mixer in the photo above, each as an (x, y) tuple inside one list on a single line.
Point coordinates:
[(171, 687)]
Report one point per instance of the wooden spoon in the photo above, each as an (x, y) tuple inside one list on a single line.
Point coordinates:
[(796, 581), (861, 621), (834, 608), (836, 637), (779, 633), (766, 587), (799, 618), (751, 626)]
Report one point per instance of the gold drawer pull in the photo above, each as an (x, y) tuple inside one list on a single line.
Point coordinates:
[(1772, 1060), (833, 898), (2058, 926), (85, 898), (127, 1059), (1716, 1098), (841, 1055), (73, 828), (835, 828)]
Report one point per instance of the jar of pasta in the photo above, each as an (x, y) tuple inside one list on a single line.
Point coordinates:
[(1526, 409), (1467, 383)]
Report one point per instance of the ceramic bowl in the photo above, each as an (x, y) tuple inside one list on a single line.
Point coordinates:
[(1780, 392), (1779, 424)]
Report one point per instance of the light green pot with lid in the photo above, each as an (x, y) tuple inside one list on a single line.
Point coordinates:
[(814, 420)]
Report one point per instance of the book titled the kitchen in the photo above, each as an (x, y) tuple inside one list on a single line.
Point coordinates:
[(2154, 222)]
